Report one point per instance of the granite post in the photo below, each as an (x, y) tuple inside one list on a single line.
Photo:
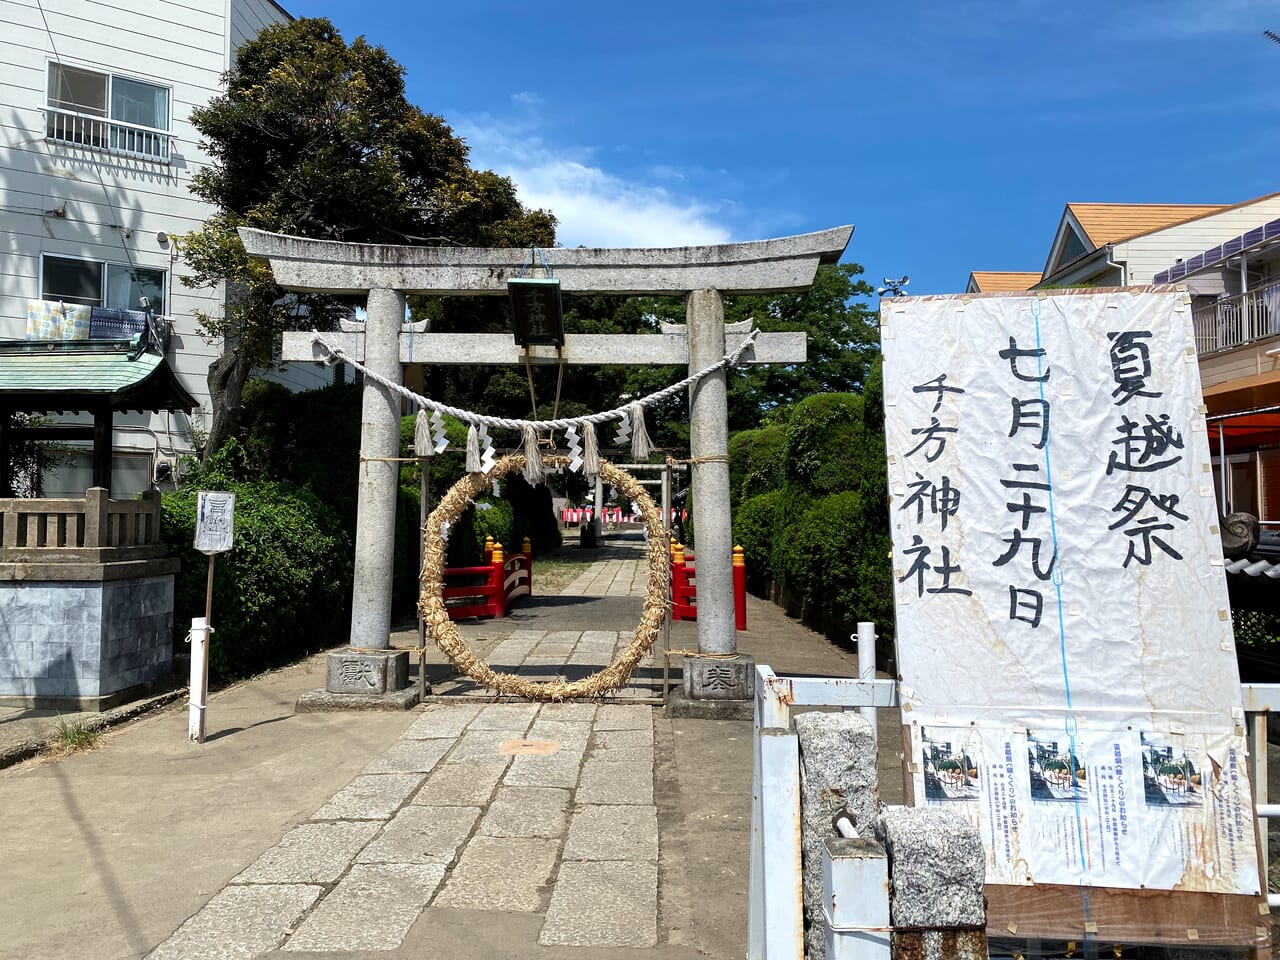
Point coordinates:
[(376, 492), (709, 437), (937, 866), (837, 770)]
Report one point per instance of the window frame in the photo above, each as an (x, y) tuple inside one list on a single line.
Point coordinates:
[(107, 119), (103, 266)]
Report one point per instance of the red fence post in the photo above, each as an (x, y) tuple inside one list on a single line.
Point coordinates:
[(497, 592), (683, 593), (739, 589), (527, 549)]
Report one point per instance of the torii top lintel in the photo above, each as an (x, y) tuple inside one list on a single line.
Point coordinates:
[(758, 266)]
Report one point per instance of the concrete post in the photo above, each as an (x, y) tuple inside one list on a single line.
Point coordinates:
[(709, 437), (376, 493)]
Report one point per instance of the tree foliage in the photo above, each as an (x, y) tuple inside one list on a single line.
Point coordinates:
[(314, 137)]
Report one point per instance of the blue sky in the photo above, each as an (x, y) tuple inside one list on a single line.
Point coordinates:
[(951, 134)]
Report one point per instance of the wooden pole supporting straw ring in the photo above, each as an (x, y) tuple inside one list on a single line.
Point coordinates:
[(446, 634)]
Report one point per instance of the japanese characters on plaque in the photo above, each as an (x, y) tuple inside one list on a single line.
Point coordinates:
[(1068, 670)]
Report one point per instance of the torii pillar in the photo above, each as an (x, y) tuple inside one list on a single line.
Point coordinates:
[(702, 274)]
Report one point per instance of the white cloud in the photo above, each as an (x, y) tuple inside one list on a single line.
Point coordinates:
[(526, 98), (594, 207)]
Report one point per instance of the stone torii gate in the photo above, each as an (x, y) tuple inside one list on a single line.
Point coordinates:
[(385, 274)]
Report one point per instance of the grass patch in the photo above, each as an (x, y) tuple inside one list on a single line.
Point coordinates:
[(74, 736), (558, 569)]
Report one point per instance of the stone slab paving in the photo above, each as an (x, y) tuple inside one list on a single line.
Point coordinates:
[(567, 835), (312, 853), (613, 832), (241, 921), (372, 797), (501, 873), (603, 904), (420, 834), (372, 908)]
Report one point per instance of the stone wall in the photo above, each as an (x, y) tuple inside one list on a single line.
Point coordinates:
[(84, 639)]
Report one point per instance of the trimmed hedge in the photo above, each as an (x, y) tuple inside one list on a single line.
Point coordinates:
[(824, 438), (757, 462), (753, 530), (811, 513), (282, 591)]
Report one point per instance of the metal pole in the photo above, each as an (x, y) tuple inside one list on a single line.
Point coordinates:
[(1224, 468), (866, 637), (199, 685)]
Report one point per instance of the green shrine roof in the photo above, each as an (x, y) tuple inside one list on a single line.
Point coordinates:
[(40, 375)]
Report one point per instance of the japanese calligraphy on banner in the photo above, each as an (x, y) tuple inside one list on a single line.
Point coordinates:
[(1064, 639)]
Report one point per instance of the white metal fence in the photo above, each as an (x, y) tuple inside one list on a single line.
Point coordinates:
[(1234, 321), (108, 136)]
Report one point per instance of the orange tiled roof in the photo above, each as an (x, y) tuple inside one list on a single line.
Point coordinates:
[(999, 281), (1112, 222)]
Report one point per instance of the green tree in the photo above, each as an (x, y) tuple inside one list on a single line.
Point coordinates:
[(314, 137), (844, 338)]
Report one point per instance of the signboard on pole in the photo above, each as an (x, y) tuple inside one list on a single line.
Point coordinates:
[(215, 533), (215, 521), (1064, 636)]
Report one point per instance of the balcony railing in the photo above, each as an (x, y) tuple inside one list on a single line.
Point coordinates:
[(1234, 321), (108, 136), (95, 529)]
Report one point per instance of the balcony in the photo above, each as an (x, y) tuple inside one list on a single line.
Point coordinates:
[(107, 136), (1238, 320)]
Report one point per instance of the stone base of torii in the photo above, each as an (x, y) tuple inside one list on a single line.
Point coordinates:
[(386, 274)]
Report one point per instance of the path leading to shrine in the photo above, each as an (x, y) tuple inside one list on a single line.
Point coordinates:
[(575, 632), (464, 828)]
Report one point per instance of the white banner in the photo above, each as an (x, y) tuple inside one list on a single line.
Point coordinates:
[(1063, 630)]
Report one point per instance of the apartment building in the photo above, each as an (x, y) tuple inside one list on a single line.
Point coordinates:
[(97, 153)]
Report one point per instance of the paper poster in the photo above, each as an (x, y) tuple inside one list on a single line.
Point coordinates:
[(1059, 581), (215, 521)]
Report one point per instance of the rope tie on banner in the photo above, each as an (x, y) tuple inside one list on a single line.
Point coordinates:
[(630, 417)]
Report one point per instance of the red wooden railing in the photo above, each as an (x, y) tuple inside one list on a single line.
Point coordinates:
[(684, 586), (494, 584)]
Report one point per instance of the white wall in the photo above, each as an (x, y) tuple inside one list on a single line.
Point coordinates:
[(1146, 256)]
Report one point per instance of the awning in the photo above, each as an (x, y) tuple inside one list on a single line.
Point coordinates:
[(1258, 236), (65, 376), (1245, 431)]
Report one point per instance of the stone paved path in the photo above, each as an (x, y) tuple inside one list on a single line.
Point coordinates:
[(569, 636), (538, 809), (544, 810)]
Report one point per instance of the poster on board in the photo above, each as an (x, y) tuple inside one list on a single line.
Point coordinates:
[(215, 521), (1064, 636)]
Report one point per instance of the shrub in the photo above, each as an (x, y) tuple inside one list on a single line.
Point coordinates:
[(753, 530), (835, 560), (489, 517), (757, 462), (283, 589), (824, 439)]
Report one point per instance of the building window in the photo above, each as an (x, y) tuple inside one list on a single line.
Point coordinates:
[(105, 112), (101, 284)]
